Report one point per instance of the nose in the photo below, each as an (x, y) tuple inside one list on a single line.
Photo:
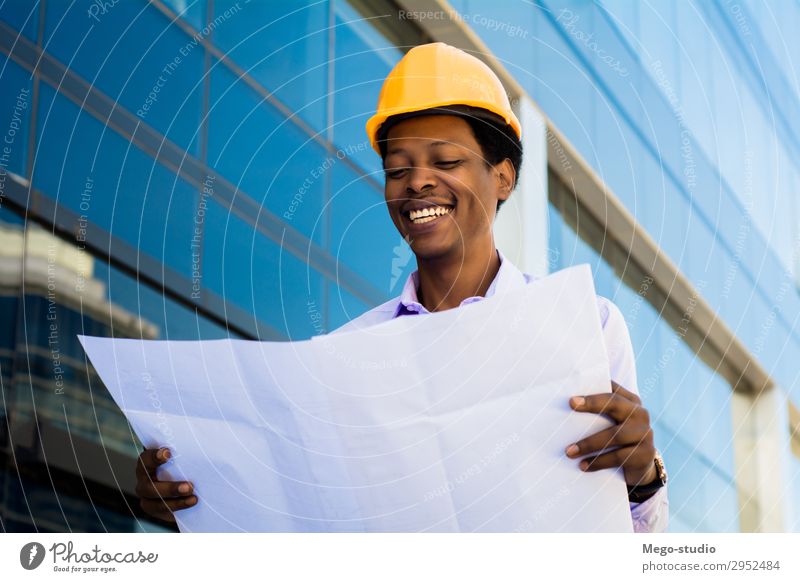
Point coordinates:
[(420, 179)]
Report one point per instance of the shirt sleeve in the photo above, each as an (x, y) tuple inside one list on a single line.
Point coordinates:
[(651, 515)]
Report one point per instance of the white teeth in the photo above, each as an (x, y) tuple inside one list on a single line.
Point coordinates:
[(424, 219), (427, 214)]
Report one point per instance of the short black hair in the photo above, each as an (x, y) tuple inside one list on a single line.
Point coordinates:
[(497, 139)]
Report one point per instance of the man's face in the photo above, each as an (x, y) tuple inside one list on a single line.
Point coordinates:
[(435, 163)]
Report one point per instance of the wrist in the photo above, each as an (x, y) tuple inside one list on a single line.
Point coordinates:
[(647, 486), (645, 479)]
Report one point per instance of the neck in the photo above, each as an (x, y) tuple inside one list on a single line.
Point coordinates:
[(444, 282)]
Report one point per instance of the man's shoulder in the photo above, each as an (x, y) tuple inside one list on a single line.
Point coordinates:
[(618, 344), (609, 312), (374, 316), (615, 328)]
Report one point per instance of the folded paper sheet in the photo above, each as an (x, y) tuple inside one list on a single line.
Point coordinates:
[(455, 421)]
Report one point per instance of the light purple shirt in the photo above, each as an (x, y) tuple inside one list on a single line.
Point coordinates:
[(651, 515)]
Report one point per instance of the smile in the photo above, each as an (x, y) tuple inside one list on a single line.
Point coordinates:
[(424, 215)]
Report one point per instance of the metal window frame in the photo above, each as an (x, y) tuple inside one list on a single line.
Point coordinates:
[(95, 103)]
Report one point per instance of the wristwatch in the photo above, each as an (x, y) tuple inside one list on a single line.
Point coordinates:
[(639, 493)]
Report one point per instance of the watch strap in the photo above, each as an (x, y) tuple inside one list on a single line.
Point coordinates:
[(640, 493)]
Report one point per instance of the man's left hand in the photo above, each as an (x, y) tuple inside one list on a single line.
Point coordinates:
[(632, 436)]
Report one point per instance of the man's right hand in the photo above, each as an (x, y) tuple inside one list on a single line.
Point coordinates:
[(160, 498)]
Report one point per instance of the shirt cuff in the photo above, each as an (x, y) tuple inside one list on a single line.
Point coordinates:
[(651, 515)]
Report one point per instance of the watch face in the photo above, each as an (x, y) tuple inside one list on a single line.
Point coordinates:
[(662, 470)]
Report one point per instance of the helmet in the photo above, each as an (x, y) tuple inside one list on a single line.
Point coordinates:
[(435, 75)]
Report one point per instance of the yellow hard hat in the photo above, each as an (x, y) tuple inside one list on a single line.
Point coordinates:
[(435, 75)]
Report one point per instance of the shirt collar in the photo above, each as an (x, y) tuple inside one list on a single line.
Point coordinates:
[(508, 277)]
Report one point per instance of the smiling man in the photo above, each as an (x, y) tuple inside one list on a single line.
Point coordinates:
[(451, 151)]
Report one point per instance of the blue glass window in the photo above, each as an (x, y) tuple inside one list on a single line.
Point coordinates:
[(363, 236), (16, 102), (284, 47), (193, 11), (136, 56), (93, 171), (253, 272), (21, 15), (363, 59), (266, 155)]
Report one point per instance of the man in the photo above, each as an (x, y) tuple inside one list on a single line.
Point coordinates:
[(451, 152)]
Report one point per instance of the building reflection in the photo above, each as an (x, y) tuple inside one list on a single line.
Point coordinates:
[(68, 454)]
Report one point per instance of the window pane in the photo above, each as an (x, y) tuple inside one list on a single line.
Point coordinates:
[(284, 47), (15, 116), (363, 59), (22, 16), (363, 237), (132, 53), (92, 170), (256, 274), (193, 11), (265, 155)]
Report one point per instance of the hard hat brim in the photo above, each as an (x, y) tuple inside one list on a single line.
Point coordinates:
[(384, 123)]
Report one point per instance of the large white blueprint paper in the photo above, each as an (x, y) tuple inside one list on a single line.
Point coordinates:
[(453, 421)]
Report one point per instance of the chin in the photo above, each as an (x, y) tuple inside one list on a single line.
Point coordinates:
[(426, 250)]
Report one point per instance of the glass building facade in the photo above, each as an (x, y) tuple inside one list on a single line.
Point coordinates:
[(182, 169)]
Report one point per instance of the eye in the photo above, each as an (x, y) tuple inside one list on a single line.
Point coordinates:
[(394, 173), (448, 163)]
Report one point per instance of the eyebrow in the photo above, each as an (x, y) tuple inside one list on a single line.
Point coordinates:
[(433, 144)]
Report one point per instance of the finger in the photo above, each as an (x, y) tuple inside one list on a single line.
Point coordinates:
[(616, 458), (617, 389), (617, 407), (151, 459), (154, 489), (615, 436)]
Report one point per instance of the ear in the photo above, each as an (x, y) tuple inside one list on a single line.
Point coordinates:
[(506, 178)]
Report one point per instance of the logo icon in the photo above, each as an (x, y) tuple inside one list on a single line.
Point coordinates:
[(31, 555), (402, 255)]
